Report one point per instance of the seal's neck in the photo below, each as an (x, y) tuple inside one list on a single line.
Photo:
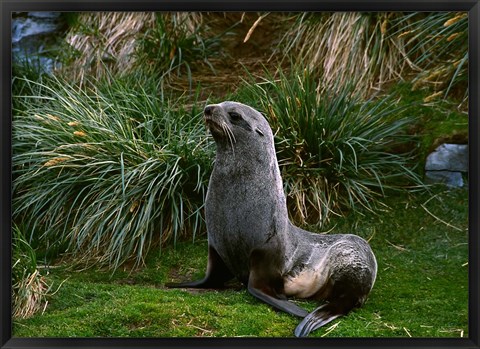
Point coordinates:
[(247, 162)]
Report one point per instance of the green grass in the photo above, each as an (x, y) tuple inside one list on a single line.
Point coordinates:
[(335, 150), (106, 174), (421, 288)]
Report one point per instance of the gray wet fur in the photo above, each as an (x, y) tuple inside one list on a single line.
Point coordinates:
[(250, 236)]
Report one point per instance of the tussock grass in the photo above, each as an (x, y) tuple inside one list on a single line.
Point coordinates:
[(104, 40), (106, 174), (373, 49), (335, 150), (348, 46), (437, 43), (174, 42), (106, 44), (29, 286)]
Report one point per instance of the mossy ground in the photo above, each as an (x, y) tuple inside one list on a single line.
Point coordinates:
[(439, 121), (421, 244)]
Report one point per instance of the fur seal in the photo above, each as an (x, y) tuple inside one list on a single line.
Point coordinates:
[(250, 236)]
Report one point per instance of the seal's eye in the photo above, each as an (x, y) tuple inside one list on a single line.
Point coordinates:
[(234, 116)]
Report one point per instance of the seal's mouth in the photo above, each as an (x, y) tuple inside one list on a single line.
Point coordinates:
[(213, 125), (213, 120)]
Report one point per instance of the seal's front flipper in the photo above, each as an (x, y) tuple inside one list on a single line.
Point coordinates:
[(319, 317), (216, 276), (266, 283)]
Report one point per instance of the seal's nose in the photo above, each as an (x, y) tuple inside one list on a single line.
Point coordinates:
[(209, 110)]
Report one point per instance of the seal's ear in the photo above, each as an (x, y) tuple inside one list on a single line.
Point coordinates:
[(259, 132)]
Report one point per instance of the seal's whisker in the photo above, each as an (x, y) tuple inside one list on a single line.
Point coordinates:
[(229, 133), (224, 128), (231, 136)]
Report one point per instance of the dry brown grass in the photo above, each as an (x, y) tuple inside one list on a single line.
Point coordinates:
[(368, 49), (346, 47), (439, 44), (106, 41), (29, 295), (105, 45)]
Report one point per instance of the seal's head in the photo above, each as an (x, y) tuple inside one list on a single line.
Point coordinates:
[(231, 122)]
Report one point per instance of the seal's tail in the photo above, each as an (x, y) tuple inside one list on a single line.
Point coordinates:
[(319, 317)]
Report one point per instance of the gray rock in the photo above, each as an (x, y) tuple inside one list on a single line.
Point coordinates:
[(34, 36), (45, 14), (448, 157), (24, 27), (450, 179)]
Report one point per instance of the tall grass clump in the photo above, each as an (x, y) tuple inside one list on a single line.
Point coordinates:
[(344, 46), (335, 151), (437, 43), (106, 174), (29, 287), (100, 44), (176, 42), (105, 44)]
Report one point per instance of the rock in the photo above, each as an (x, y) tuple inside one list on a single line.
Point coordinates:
[(25, 27), (446, 164), (45, 14), (450, 179), (448, 157), (34, 38)]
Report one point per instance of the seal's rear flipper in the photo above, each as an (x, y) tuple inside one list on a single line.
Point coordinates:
[(319, 317), (281, 304), (216, 276), (266, 283)]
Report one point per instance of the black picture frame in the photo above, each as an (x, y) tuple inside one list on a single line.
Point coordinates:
[(9, 6)]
